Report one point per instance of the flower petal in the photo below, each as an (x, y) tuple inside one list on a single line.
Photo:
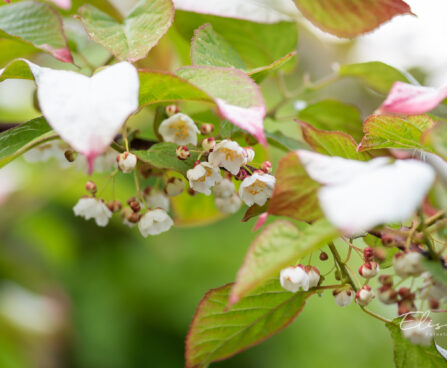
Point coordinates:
[(262, 11), (405, 98)]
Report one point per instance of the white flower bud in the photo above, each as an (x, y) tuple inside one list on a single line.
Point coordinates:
[(171, 110), (408, 264), (208, 144), (206, 129), (179, 129), (387, 295), (126, 162), (154, 222), (93, 208), (228, 205), (257, 189), (419, 332), (314, 276), (157, 199), (369, 270), (224, 189), (294, 278), (174, 187), (202, 177), (344, 296), (249, 154), (182, 152), (364, 296), (229, 155)]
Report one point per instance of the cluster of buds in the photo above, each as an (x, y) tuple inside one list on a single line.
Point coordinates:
[(90, 207), (296, 278), (369, 269)]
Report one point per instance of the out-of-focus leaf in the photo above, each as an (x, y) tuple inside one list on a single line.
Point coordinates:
[(217, 333), (435, 139), (332, 143), (295, 193), (132, 39), (17, 141), (11, 49), (350, 18), (38, 24), (391, 131), (259, 74), (333, 115), (209, 48), (257, 44), (254, 211), (408, 355), (238, 98), (438, 272), (280, 140), (194, 210), (375, 74), (103, 5), (163, 156), (280, 245)]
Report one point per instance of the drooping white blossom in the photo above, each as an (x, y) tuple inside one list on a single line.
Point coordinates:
[(202, 177), (314, 276), (154, 222), (418, 331), (47, 151), (127, 162), (358, 195), (228, 205), (344, 296), (179, 129), (93, 208), (408, 264), (224, 189), (364, 296), (257, 188), (294, 278), (174, 187), (157, 199), (229, 155)]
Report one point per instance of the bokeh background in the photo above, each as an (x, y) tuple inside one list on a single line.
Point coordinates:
[(76, 295)]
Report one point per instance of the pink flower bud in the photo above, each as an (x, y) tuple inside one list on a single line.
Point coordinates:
[(171, 110), (266, 167), (182, 152), (90, 186), (364, 296), (114, 206), (208, 144), (241, 175), (369, 270), (387, 295), (368, 254), (206, 129)]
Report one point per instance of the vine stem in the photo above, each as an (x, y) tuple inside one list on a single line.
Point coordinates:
[(375, 315), (341, 265), (427, 239)]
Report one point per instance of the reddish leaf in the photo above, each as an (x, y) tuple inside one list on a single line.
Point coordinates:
[(350, 18)]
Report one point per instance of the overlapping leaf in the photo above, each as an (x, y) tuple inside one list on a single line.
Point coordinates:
[(408, 355), (38, 24), (217, 333), (350, 18), (280, 245), (391, 131), (132, 39)]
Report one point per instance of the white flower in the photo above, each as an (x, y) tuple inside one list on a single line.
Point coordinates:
[(364, 296), (93, 208), (127, 162), (408, 264), (157, 199), (174, 187), (154, 222), (294, 278), (257, 189), (358, 196), (343, 297), (203, 177), (228, 205), (224, 189), (229, 155), (419, 332), (179, 129), (314, 276)]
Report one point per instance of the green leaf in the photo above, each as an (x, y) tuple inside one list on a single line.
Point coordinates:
[(217, 333), (436, 269), (209, 48), (280, 245), (295, 193), (158, 87), (255, 211), (257, 44), (332, 143), (350, 18), (435, 139), (140, 31), (11, 49), (259, 74), (16, 141), (333, 115), (103, 5), (391, 131), (163, 156), (16, 69), (282, 141), (37, 24), (407, 355), (375, 74)]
